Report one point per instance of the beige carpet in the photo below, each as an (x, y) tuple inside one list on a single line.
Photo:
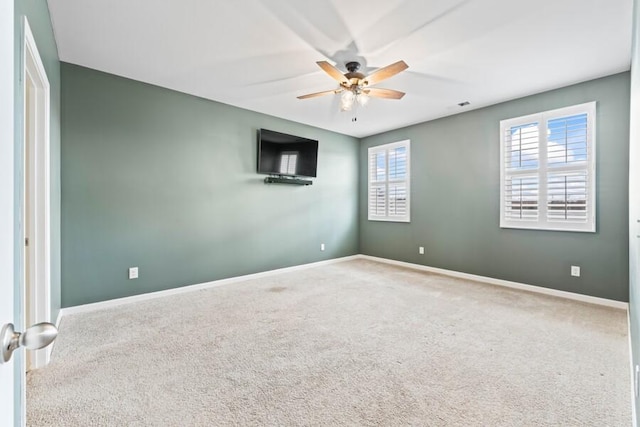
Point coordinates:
[(353, 343)]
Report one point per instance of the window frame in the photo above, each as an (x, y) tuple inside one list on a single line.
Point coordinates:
[(542, 171), (386, 148)]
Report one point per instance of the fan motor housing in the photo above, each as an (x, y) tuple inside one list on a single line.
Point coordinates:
[(353, 75), (352, 66)]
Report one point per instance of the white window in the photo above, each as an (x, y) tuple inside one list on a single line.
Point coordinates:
[(288, 162), (547, 170), (389, 177)]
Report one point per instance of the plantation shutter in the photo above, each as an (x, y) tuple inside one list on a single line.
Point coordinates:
[(521, 188), (377, 184), (388, 182), (548, 170), (568, 153)]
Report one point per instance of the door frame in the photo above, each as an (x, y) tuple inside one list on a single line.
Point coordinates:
[(10, 373), (36, 150)]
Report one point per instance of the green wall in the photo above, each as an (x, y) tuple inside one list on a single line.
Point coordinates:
[(455, 197), (167, 182)]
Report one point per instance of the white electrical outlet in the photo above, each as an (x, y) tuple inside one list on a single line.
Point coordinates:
[(322, 246), (575, 271), (421, 250), (133, 273)]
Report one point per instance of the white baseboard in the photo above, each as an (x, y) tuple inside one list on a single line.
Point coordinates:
[(191, 288), (57, 323), (514, 285), (159, 294), (49, 349)]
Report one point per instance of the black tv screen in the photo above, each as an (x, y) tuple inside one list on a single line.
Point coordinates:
[(286, 155)]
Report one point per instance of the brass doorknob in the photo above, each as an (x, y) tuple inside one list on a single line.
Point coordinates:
[(36, 337)]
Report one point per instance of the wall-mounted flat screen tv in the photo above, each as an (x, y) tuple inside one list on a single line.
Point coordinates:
[(286, 155)]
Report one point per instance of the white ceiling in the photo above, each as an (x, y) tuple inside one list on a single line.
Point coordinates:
[(261, 54)]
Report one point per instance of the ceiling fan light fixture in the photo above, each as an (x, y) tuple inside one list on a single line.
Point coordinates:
[(363, 99), (351, 97), (346, 100)]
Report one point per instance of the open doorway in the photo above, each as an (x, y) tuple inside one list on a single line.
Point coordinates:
[(36, 208)]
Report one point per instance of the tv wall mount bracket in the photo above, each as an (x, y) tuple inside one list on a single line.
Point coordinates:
[(283, 180)]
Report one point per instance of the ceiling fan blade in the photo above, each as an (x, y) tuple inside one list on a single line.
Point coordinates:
[(313, 95), (334, 72), (377, 92), (385, 72)]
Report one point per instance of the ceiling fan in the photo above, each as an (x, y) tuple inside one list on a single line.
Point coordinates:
[(356, 87)]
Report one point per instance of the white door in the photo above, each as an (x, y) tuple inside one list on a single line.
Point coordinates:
[(10, 395), (36, 212), (12, 220)]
